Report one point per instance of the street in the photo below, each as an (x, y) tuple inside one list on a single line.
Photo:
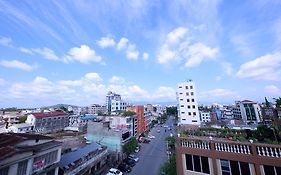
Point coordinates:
[(153, 154)]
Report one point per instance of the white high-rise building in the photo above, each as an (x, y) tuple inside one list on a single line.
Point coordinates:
[(187, 104), (114, 102)]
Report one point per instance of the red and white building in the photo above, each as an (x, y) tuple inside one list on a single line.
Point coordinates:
[(45, 122)]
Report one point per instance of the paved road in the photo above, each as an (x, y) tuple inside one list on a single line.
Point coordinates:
[(153, 154)]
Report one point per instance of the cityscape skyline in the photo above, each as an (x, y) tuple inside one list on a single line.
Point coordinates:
[(74, 52)]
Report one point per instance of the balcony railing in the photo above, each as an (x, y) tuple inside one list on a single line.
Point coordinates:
[(246, 148)]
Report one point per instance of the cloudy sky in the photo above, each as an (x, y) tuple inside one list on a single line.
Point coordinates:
[(76, 51)]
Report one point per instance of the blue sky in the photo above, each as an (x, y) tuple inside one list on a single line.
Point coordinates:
[(76, 51)]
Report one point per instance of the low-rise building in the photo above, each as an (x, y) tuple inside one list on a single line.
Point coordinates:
[(205, 116), (86, 160), (97, 109), (45, 122), (21, 128), (27, 154)]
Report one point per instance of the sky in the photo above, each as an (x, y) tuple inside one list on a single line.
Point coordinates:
[(74, 52)]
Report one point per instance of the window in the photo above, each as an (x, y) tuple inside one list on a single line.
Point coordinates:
[(193, 106), (192, 100), (187, 100), (186, 87), (197, 163), (180, 87), (180, 93), (182, 112), (187, 94), (194, 113), (181, 99), (183, 119), (188, 106), (191, 87), (182, 105), (192, 93), (225, 168), (22, 167), (271, 170), (230, 167), (4, 171), (189, 113)]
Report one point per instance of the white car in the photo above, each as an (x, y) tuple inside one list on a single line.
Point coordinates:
[(151, 136), (133, 157), (114, 171), (137, 149)]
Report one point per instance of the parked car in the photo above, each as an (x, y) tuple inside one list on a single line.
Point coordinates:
[(114, 171), (158, 130), (146, 140), (133, 157), (137, 149), (125, 168), (130, 162), (151, 136)]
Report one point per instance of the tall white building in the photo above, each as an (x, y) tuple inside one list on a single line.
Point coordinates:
[(187, 103), (114, 103)]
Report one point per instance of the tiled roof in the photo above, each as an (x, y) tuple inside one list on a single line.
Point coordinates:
[(8, 142), (48, 114)]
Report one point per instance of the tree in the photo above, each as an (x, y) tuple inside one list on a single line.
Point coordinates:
[(169, 167), (130, 146), (128, 113), (172, 110), (267, 104), (154, 109), (22, 119), (278, 101)]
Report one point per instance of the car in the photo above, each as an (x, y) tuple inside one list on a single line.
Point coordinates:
[(137, 149), (125, 168), (130, 162), (133, 157), (158, 130), (114, 171), (151, 136), (146, 140), (169, 129)]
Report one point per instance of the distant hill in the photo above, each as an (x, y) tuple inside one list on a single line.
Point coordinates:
[(60, 105)]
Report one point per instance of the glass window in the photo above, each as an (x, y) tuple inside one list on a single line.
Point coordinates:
[(205, 165), (268, 170), (182, 105), (278, 170), (191, 87), (4, 171), (187, 94), (188, 161), (244, 167), (189, 113), (234, 168), (187, 100), (180, 87), (22, 166), (192, 93), (194, 113), (196, 161), (188, 106), (192, 100), (193, 106), (186, 87)]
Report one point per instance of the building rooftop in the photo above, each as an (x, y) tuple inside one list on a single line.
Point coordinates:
[(80, 153), (48, 114), (22, 125), (88, 117), (9, 141)]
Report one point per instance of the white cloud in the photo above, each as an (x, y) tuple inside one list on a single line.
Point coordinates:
[(227, 68), (83, 54), (272, 89), (266, 67), (2, 81), (145, 56), (216, 94), (93, 76), (25, 50), (199, 52), (116, 80), (243, 43), (122, 44), (178, 46), (17, 64), (46, 53), (165, 93), (132, 53), (176, 35), (105, 42), (5, 41), (218, 78), (277, 30)]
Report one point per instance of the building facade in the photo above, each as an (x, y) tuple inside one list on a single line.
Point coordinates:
[(250, 111), (140, 122), (187, 103), (44, 122), (27, 154), (97, 109), (114, 103), (205, 116), (199, 156)]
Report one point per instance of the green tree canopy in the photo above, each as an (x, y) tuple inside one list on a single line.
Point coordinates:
[(172, 110), (169, 168), (128, 113), (130, 146)]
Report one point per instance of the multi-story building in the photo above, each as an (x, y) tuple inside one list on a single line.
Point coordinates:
[(149, 108), (125, 123), (86, 160), (187, 103), (148, 119), (201, 155), (114, 103), (140, 122), (250, 111), (21, 128), (27, 154), (44, 122), (205, 116), (97, 109)]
